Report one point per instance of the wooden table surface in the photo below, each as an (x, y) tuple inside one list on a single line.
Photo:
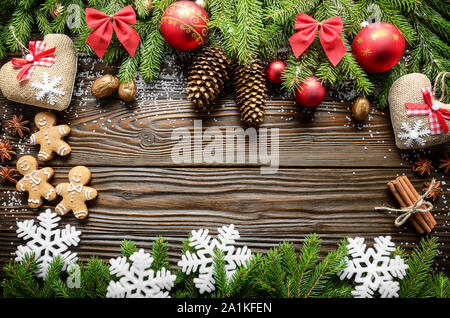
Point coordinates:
[(332, 172)]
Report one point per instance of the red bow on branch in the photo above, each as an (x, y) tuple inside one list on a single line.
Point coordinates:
[(436, 114), (36, 57), (100, 38), (329, 35)]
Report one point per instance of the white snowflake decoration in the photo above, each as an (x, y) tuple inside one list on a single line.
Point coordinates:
[(48, 89), (203, 258), (139, 280), (46, 242), (414, 135), (374, 269)]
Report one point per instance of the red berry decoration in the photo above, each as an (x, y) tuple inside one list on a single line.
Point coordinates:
[(311, 92), (378, 47), (184, 25), (274, 70)]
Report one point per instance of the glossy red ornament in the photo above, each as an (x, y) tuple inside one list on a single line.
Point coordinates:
[(378, 47), (311, 92), (274, 70), (184, 25)]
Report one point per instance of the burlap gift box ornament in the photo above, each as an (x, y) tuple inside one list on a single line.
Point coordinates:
[(48, 86), (419, 119)]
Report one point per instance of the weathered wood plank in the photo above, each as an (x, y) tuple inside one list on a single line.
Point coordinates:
[(141, 203), (111, 133)]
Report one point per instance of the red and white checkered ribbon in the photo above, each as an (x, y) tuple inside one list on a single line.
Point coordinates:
[(436, 114), (36, 57)]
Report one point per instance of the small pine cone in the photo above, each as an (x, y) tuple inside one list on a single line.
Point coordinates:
[(207, 75), (250, 92)]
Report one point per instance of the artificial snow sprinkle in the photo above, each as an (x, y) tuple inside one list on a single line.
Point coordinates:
[(374, 269), (47, 89), (203, 258), (45, 242), (139, 280)]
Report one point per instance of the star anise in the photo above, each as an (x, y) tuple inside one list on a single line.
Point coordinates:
[(6, 150), (423, 166), (8, 174), (18, 126), (446, 163), (435, 191)]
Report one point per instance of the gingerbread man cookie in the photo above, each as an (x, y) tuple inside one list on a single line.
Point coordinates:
[(75, 193), (35, 181), (50, 137)]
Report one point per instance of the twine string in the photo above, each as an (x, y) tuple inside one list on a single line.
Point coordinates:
[(25, 49), (442, 76), (413, 209)]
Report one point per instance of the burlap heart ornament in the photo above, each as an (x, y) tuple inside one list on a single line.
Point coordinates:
[(49, 86), (418, 118)]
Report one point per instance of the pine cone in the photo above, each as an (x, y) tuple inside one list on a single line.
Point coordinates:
[(250, 92), (207, 75)]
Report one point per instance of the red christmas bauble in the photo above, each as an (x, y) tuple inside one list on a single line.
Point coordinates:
[(274, 70), (311, 92), (184, 25), (378, 47)]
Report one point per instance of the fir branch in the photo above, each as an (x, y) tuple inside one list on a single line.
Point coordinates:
[(297, 70), (128, 248), (129, 67), (53, 273), (141, 8), (22, 278), (419, 263), (333, 263), (153, 50), (223, 20), (160, 254), (241, 283), (387, 80), (220, 275), (351, 70), (249, 26), (60, 289), (284, 12), (307, 259), (154, 45), (43, 23), (96, 278)]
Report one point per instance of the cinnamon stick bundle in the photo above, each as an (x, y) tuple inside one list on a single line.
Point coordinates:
[(406, 195)]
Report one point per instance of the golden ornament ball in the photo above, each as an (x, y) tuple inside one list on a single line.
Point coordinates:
[(361, 108), (127, 91), (105, 86)]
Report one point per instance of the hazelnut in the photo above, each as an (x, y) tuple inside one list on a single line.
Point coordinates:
[(105, 86), (360, 108), (127, 91)]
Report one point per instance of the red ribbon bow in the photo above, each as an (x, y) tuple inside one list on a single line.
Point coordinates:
[(36, 57), (329, 35), (100, 38), (436, 114)]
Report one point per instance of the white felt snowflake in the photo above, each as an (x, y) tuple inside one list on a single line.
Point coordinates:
[(48, 88), (413, 135), (373, 268), (46, 242), (139, 280), (203, 258)]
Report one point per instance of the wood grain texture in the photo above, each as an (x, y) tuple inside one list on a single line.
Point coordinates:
[(142, 203), (333, 172), (140, 133)]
